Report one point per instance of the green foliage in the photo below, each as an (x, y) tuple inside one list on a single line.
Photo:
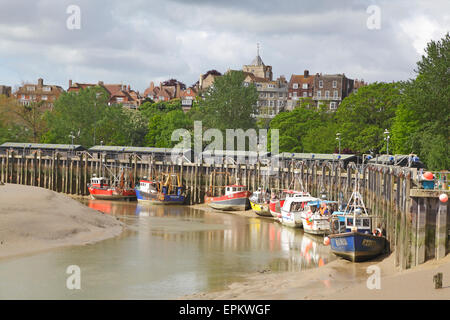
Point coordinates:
[(149, 109), (421, 125), (162, 125), (87, 116), (229, 104), (363, 116)]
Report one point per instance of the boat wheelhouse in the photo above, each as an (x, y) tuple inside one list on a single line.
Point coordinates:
[(292, 209), (277, 201), (259, 201), (100, 189), (316, 217)]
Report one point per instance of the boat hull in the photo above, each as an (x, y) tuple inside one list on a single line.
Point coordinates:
[(316, 225), (275, 208), (291, 219), (112, 193), (356, 246), (158, 198), (234, 202), (261, 209)]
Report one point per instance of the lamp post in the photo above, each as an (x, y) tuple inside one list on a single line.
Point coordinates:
[(72, 137), (338, 137), (386, 138)]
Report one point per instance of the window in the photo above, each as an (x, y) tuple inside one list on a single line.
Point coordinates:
[(319, 94), (44, 97), (47, 89), (119, 99), (305, 86), (320, 83), (295, 86), (327, 94), (30, 88), (334, 84), (271, 95), (245, 84), (294, 94), (333, 105), (23, 97), (305, 94), (271, 86), (335, 94), (290, 94)]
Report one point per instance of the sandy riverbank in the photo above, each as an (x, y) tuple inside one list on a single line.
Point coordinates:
[(34, 219), (339, 279)]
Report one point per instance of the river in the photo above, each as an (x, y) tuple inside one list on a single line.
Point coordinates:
[(167, 252)]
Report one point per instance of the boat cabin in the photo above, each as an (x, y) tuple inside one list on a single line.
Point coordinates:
[(234, 189), (147, 186), (344, 223), (99, 182), (297, 204)]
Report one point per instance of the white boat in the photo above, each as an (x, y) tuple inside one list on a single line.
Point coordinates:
[(293, 208), (316, 217)]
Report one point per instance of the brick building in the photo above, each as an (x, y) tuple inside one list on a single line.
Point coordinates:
[(300, 86), (331, 89), (118, 93), (29, 93)]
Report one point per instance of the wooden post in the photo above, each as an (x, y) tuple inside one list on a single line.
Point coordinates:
[(441, 230)]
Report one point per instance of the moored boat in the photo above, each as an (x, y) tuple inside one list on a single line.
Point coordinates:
[(168, 190), (259, 202), (352, 237), (100, 189), (277, 201), (292, 209), (234, 199), (316, 217)]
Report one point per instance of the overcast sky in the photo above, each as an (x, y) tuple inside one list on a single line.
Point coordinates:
[(136, 41)]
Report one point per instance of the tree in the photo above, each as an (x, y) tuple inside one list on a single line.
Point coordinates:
[(228, 104), (363, 116), (162, 125), (421, 124), (22, 122)]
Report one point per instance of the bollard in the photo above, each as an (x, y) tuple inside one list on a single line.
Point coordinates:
[(437, 278)]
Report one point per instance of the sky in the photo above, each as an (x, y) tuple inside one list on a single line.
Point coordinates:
[(135, 41)]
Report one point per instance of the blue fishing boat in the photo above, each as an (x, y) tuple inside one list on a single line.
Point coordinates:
[(166, 191), (352, 236)]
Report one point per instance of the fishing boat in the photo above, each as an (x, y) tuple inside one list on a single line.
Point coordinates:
[(259, 201), (168, 190), (101, 189), (352, 236), (234, 199), (277, 201), (316, 217), (292, 209)]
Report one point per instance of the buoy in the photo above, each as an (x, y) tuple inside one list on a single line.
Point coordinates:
[(326, 241), (428, 175), (443, 197)]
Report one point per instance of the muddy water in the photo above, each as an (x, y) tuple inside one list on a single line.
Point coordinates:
[(168, 252)]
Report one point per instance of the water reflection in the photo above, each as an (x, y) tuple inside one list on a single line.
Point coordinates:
[(171, 251)]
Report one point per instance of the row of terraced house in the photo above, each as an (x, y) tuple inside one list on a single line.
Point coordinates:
[(274, 96)]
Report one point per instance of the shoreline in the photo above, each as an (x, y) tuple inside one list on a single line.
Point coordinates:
[(34, 220), (338, 280)]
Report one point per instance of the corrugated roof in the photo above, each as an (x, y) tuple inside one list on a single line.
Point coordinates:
[(41, 146), (135, 149), (317, 156)]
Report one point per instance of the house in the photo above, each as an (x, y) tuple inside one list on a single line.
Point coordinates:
[(331, 89), (300, 86), (187, 98), (117, 93), (40, 92), (5, 90), (206, 80), (166, 91)]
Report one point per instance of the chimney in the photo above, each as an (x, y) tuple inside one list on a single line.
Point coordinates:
[(40, 82), (306, 73), (152, 86), (70, 83), (129, 88)]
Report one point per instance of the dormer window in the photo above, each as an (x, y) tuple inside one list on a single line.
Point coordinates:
[(295, 86)]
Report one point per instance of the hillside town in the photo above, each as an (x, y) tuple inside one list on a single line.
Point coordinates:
[(274, 95)]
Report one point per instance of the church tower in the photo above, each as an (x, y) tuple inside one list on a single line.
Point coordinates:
[(258, 68)]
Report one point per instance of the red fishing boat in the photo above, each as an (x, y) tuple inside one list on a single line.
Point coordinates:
[(234, 199), (100, 189)]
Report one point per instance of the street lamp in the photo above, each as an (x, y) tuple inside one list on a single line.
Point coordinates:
[(71, 136), (386, 138), (338, 137)]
